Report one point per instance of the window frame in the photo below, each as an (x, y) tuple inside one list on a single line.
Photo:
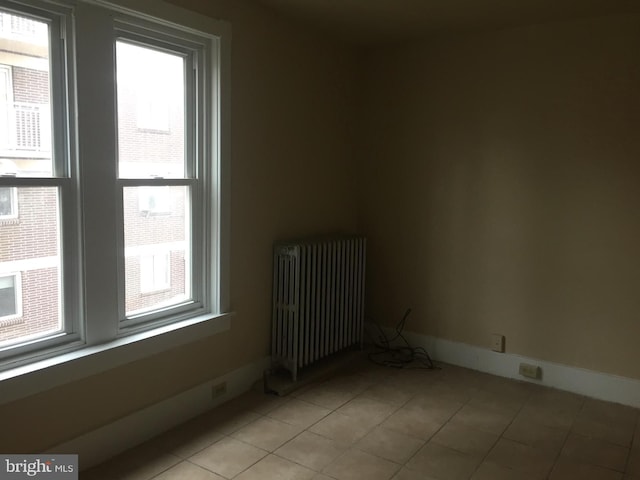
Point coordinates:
[(93, 330)]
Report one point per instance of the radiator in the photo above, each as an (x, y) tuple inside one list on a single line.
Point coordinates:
[(318, 300)]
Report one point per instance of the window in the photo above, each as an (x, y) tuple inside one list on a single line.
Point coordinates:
[(6, 103), (25, 104), (155, 272), (129, 227), (8, 203), (154, 200), (10, 297)]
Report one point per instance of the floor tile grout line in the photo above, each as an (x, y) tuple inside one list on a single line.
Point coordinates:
[(377, 425), (163, 471), (629, 448), (437, 431), (204, 468), (571, 430), (501, 436), (635, 442), (634, 437), (334, 410), (559, 454), (248, 467), (566, 438)]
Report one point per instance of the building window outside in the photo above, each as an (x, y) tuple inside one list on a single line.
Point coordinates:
[(10, 297), (18, 27), (154, 201), (6, 104), (8, 203), (25, 113), (155, 272), (164, 240)]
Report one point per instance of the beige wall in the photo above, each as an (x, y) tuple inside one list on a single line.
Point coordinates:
[(500, 189), (291, 175)]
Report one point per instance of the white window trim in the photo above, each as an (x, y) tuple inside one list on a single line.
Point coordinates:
[(97, 353)]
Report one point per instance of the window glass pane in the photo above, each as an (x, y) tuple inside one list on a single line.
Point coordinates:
[(25, 109), (30, 267), (157, 233), (151, 104)]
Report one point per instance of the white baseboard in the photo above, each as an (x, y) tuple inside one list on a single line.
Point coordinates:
[(603, 386), (107, 441)]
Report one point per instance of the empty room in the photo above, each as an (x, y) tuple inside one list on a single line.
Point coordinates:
[(300, 239)]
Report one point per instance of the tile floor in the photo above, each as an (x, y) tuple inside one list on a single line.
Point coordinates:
[(376, 423)]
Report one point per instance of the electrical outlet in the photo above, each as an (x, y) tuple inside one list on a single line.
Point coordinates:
[(497, 343), (218, 390), (530, 371)]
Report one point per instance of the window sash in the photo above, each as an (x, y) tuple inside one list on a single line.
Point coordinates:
[(63, 178), (200, 238)]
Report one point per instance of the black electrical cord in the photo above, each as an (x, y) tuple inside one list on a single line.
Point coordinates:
[(403, 356)]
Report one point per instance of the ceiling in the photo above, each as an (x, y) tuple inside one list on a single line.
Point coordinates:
[(368, 22)]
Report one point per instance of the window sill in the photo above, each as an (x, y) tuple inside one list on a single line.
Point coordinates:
[(43, 375), (11, 320)]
